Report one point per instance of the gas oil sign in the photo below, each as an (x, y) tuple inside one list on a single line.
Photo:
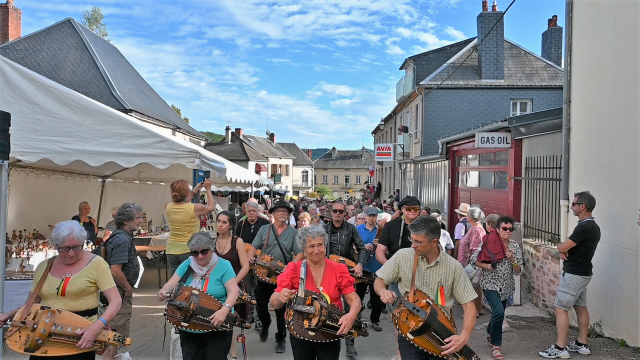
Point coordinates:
[(384, 152)]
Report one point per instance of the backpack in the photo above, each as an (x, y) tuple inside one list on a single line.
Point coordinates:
[(467, 226), (101, 250)]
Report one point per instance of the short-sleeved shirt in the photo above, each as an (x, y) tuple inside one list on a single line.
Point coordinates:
[(367, 238), (80, 292), (336, 280), (111, 226), (219, 275), (502, 278), (471, 241), (445, 240), (247, 232), (445, 271), (287, 241), (461, 228), (390, 236), (122, 250), (586, 235)]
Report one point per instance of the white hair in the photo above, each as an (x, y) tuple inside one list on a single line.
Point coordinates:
[(68, 229)]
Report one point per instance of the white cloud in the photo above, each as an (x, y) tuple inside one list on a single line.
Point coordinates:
[(342, 90), (342, 102), (394, 50), (455, 34)]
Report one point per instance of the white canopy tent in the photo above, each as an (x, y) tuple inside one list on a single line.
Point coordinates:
[(67, 148)]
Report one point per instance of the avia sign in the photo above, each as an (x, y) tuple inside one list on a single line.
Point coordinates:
[(384, 152)]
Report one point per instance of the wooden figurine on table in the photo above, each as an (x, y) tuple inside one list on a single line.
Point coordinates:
[(22, 266), (14, 236)]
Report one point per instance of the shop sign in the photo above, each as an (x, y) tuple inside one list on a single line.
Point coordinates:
[(493, 140), (384, 152)]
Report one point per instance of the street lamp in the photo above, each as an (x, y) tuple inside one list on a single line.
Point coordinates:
[(381, 125)]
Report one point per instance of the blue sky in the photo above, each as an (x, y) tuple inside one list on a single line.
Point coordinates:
[(321, 73)]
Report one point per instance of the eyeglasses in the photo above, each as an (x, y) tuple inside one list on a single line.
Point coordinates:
[(413, 241), (337, 211), (202, 252), (66, 249), (509, 229), (574, 204), (412, 208), (361, 218)]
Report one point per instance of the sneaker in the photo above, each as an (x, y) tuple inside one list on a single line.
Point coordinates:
[(376, 326), (280, 346), (554, 353), (351, 351), (580, 349)]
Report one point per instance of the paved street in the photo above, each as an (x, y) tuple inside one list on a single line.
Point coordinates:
[(528, 335)]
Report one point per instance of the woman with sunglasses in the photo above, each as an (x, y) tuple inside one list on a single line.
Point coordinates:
[(74, 283), (500, 258), (216, 277)]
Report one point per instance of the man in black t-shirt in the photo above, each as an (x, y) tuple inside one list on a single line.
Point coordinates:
[(577, 253), (395, 234), (122, 257)]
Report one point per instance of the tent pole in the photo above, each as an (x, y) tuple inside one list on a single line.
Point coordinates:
[(104, 181), (4, 187)]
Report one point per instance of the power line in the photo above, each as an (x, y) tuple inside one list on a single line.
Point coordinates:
[(475, 49)]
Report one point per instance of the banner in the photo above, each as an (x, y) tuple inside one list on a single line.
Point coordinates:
[(384, 152)]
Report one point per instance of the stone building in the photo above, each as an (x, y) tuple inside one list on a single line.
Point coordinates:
[(344, 171)]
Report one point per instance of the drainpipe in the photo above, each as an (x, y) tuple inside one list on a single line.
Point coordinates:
[(566, 124)]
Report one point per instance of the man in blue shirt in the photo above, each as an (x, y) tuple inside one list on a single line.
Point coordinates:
[(368, 232)]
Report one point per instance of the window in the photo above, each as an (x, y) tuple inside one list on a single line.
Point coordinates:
[(336, 179), (358, 179), (325, 179), (315, 179), (520, 106), (305, 178), (416, 126), (346, 195), (370, 179), (347, 179)]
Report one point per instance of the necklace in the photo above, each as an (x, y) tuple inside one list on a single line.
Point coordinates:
[(225, 244)]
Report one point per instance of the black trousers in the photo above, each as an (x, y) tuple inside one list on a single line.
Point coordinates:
[(408, 351), (376, 303), (309, 350), (212, 345), (82, 356), (263, 293)]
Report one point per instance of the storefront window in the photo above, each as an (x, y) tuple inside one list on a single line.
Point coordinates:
[(486, 159), (502, 158), (472, 160), (461, 161), (501, 180), (486, 179)]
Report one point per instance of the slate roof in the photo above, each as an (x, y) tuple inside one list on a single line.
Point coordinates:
[(346, 159), (73, 56), (299, 157), (522, 68), (236, 151), (266, 147)]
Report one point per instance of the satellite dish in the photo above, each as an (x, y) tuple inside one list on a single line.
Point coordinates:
[(268, 132)]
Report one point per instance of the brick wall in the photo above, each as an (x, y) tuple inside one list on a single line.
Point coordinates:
[(541, 274), (10, 22), (448, 111)]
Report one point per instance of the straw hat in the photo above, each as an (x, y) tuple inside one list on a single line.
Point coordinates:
[(463, 209)]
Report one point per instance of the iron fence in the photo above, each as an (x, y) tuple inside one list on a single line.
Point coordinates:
[(541, 200)]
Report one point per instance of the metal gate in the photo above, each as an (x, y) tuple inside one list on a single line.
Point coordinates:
[(541, 201)]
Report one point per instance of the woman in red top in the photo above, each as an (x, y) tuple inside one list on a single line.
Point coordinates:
[(323, 276)]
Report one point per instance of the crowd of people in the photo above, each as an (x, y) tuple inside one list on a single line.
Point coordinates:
[(380, 238)]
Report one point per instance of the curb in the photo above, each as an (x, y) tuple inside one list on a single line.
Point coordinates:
[(176, 349)]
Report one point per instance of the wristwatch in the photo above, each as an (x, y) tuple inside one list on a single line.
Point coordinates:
[(227, 305)]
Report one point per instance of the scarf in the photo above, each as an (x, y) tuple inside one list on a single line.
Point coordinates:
[(199, 272), (492, 248)]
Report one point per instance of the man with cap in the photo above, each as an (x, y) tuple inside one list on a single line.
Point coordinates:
[(280, 239), (369, 232), (461, 227), (343, 238)]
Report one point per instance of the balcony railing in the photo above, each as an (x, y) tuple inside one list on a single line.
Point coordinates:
[(404, 86)]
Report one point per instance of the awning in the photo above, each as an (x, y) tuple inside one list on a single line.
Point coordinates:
[(260, 167)]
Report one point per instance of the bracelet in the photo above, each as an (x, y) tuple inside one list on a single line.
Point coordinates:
[(103, 321), (515, 264)]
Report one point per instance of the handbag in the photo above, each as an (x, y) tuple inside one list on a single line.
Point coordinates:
[(473, 272)]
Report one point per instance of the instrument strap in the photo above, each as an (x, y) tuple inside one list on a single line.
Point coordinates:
[(32, 298), (273, 229), (413, 278), (303, 279), (401, 231)]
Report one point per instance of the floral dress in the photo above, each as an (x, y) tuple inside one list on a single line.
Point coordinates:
[(470, 242), (502, 278)]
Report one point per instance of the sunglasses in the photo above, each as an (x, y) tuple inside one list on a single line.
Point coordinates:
[(412, 208), (509, 229), (337, 211), (66, 249), (574, 204), (202, 252)]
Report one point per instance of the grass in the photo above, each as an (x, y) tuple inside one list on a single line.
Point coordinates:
[(595, 330), (622, 342)]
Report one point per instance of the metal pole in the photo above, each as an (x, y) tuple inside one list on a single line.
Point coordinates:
[(566, 123), (4, 187), (104, 181)]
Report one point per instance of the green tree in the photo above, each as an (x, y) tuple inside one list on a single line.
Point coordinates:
[(323, 190), (213, 137), (92, 19), (179, 112)]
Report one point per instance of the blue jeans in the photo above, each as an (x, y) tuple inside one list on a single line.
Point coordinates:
[(494, 328)]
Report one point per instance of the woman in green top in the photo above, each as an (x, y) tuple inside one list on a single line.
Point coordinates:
[(216, 277)]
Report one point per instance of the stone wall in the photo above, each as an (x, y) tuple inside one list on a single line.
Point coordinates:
[(541, 274)]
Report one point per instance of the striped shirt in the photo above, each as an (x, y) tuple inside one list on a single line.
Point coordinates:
[(445, 271)]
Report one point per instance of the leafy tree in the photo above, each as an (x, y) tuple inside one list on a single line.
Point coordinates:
[(323, 190), (179, 112), (213, 137), (92, 19)]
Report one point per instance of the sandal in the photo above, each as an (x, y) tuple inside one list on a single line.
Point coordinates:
[(497, 355)]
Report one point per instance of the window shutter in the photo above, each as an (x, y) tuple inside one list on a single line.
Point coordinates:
[(274, 169), (286, 170)]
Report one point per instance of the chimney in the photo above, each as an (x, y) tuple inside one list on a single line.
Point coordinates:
[(334, 152), (227, 134), (485, 5), (239, 132), (10, 22), (495, 6), (491, 51), (552, 41), (310, 153), (272, 137)]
